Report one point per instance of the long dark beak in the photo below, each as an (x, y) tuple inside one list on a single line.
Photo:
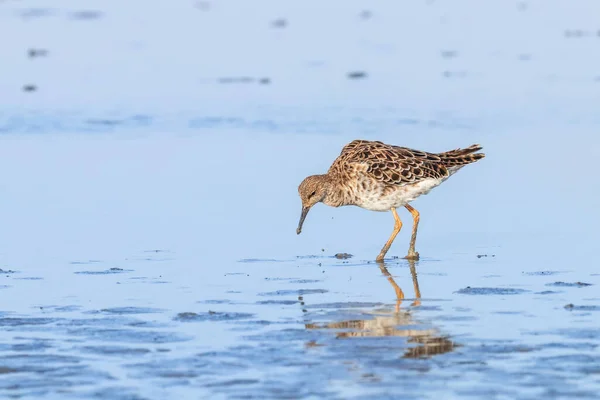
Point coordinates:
[(302, 216)]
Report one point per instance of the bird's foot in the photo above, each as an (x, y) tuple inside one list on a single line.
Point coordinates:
[(412, 255)]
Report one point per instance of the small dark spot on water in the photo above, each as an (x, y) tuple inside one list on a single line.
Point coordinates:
[(215, 302), (524, 57), (454, 74), (357, 75), (30, 278), (569, 284), (343, 256), (548, 292), (2, 271), (490, 291), (211, 316), (485, 255), (36, 12), (105, 272), (236, 80), (32, 53), (365, 14), (449, 54), (29, 88), (264, 81), (279, 23), (576, 33), (86, 15)]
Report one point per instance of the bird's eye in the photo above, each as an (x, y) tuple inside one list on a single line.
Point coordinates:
[(311, 195)]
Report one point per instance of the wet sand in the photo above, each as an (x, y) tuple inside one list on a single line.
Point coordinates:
[(148, 203)]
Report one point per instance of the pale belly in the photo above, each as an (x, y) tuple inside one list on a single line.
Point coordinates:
[(375, 199)]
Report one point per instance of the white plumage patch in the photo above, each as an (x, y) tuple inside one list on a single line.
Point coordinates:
[(377, 200)]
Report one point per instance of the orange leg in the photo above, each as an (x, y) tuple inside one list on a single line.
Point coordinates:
[(397, 227), (412, 254)]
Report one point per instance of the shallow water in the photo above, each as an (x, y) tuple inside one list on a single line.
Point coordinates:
[(149, 205)]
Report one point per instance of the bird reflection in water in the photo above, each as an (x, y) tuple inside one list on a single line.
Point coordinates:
[(399, 323)]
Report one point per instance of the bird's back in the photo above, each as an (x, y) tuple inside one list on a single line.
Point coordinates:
[(401, 165), (378, 176)]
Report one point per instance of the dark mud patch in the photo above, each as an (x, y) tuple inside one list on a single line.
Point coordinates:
[(232, 382), (7, 271), (114, 350), (490, 291), (27, 321), (343, 256), (278, 302), (211, 316), (546, 292), (109, 271), (299, 292), (131, 310), (569, 284), (542, 273), (128, 335), (310, 256), (116, 321), (28, 345), (573, 307), (215, 302), (304, 281)]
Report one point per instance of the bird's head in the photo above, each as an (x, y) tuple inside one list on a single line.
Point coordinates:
[(312, 190)]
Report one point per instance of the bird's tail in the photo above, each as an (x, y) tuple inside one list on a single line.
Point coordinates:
[(460, 157)]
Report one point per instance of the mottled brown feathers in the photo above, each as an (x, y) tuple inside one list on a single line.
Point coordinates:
[(396, 165)]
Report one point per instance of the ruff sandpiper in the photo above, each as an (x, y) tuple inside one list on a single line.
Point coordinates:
[(381, 177)]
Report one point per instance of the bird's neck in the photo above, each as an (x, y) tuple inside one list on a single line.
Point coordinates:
[(337, 195)]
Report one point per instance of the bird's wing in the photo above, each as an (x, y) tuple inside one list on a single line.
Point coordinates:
[(393, 165)]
